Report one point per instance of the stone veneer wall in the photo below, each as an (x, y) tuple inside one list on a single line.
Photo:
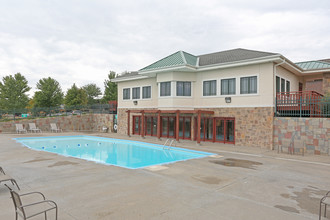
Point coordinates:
[(253, 126), (314, 131), (85, 122)]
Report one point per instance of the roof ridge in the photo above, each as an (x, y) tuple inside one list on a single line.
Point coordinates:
[(183, 57)]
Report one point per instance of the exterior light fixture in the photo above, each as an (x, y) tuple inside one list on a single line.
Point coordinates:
[(228, 99), (135, 102)]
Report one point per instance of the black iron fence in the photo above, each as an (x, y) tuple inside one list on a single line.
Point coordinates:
[(302, 104), (37, 112)]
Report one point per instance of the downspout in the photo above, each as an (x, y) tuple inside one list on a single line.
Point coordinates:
[(274, 92)]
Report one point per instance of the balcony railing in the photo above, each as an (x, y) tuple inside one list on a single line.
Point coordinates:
[(302, 104)]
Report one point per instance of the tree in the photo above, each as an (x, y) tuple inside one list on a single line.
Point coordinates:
[(92, 91), (13, 91), (75, 96), (50, 94), (110, 92)]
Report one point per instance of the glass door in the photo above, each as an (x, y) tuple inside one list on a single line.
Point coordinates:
[(136, 124), (219, 129)]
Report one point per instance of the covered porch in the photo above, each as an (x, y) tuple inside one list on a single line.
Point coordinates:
[(181, 124)]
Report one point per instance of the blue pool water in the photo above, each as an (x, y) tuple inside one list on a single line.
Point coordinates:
[(123, 153)]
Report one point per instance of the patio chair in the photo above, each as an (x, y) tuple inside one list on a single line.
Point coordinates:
[(54, 128), (29, 210), (325, 201), (33, 128), (4, 177), (20, 129)]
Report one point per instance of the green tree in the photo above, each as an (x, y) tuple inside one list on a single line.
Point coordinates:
[(75, 96), (92, 91), (13, 91), (110, 92), (50, 94)]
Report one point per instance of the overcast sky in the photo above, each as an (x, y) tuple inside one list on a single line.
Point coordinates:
[(80, 41)]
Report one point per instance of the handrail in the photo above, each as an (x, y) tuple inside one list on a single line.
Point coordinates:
[(165, 147)]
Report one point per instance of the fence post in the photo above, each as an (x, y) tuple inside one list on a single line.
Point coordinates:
[(300, 104)]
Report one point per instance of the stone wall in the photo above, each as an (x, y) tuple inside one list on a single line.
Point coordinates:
[(253, 126), (315, 132), (85, 122)]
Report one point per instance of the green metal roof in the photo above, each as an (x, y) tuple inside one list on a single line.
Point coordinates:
[(312, 65), (179, 58)]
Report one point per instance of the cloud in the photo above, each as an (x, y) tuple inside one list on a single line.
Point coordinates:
[(81, 41)]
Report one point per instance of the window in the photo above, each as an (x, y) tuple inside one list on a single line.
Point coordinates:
[(165, 89), (210, 88), (183, 88), (228, 86), (136, 93), (282, 85), (126, 93), (146, 92), (287, 86), (278, 86), (249, 85)]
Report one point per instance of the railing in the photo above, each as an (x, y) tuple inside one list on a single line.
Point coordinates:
[(302, 104), (14, 114)]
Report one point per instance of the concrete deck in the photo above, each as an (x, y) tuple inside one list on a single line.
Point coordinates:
[(242, 183)]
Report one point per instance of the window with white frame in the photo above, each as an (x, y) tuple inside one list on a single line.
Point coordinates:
[(282, 85), (165, 89), (136, 93), (210, 88), (249, 85), (183, 88), (126, 93), (228, 86), (146, 92)]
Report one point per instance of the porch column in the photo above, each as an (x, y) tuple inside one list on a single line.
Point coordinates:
[(142, 124), (199, 127), (128, 121), (177, 125), (158, 125)]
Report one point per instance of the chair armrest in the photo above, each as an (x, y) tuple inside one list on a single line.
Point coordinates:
[(36, 203), (30, 193)]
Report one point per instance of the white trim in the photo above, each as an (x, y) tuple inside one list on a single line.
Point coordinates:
[(203, 107), (129, 78), (184, 59)]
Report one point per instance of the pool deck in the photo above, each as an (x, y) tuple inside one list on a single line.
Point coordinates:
[(240, 183)]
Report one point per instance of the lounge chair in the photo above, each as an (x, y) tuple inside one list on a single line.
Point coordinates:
[(20, 129), (325, 201), (54, 128), (33, 128), (4, 177), (26, 211)]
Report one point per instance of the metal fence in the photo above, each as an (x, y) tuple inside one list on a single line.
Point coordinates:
[(37, 112), (302, 104)]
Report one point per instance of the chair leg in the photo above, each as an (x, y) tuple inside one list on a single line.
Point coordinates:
[(320, 211)]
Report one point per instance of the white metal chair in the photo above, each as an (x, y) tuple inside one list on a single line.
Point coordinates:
[(33, 128), (29, 210), (324, 201), (20, 128), (54, 128)]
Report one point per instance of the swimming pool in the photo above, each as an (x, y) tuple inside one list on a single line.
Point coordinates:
[(118, 152)]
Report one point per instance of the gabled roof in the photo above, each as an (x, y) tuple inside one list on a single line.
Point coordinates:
[(313, 65), (179, 58), (182, 59), (231, 56)]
